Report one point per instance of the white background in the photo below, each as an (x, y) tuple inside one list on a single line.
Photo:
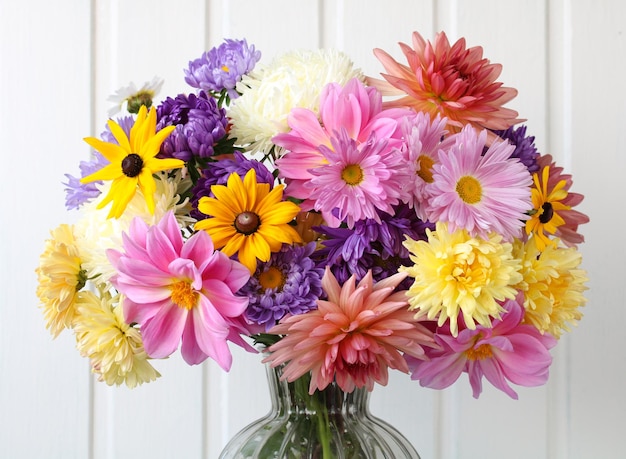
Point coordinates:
[(59, 60)]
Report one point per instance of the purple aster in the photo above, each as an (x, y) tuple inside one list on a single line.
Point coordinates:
[(217, 174), (371, 245), (221, 68), (289, 283), (200, 126), (525, 148), (76, 193)]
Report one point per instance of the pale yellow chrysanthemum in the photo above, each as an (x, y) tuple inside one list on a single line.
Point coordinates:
[(553, 285), (95, 233), (293, 79), (114, 348), (455, 273), (60, 276)]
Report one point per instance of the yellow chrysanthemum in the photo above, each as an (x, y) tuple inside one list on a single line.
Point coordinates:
[(114, 347), (133, 161), (60, 276), (547, 203), (248, 219), (455, 273), (553, 286)]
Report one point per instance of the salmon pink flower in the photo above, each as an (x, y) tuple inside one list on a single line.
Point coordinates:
[(509, 351), (181, 290), (452, 81), (353, 337)]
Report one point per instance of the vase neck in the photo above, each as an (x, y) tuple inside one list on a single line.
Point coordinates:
[(294, 396)]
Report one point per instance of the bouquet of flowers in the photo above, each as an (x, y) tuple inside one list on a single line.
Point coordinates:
[(345, 224)]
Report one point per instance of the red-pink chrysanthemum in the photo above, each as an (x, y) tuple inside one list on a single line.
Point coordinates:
[(453, 81), (353, 337)]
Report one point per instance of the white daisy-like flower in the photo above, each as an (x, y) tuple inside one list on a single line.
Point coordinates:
[(129, 98), (293, 79), (95, 233)]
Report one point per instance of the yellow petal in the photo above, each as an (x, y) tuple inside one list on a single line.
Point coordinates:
[(114, 153), (120, 135)]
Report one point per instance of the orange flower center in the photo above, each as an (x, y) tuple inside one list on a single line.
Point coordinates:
[(479, 353), (352, 174), (183, 295), (425, 171), (469, 189), (272, 278)]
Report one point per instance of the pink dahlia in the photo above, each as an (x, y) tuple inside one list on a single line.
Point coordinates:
[(509, 351), (480, 192), (452, 81), (181, 291), (355, 108), (353, 337)]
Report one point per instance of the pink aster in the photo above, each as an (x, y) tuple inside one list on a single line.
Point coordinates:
[(353, 337), (509, 351), (420, 153), (180, 290), (355, 108), (480, 192), (356, 180), (452, 81)]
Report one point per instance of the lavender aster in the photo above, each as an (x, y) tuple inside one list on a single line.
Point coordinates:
[(289, 283), (200, 125), (221, 68), (524, 146), (76, 193), (217, 174)]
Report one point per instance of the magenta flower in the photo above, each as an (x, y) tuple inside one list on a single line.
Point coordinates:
[(510, 351), (181, 291), (355, 108)]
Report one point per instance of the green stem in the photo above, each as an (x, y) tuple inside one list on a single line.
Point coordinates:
[(316, 403)]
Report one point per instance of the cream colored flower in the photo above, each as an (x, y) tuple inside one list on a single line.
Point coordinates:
[(455, 273), (60, 276), (293, 79), (553, 285), (95, 233), (114, 348)]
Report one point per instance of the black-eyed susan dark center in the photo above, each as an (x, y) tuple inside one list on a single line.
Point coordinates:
[(469, 189), (247, 223), (272, 278), (132, 165), (547, 214), (352, 174)]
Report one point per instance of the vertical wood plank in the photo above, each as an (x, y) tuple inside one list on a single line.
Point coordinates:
[(44, 93), (598, 114)]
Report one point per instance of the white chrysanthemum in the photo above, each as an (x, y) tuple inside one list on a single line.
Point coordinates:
[(95, 233), (293, 79)]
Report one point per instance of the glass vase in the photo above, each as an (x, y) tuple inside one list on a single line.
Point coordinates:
[(330, 424)]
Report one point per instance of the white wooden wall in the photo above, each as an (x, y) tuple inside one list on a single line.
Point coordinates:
[(59, 60)]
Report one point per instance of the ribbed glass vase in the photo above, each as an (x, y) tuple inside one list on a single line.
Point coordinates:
[(330, 424)]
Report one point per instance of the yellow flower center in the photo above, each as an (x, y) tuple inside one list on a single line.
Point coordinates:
[(479, 353), (225, 68), (183, 295), (469, 189), (352, 174), (271, 278), (426, 168)]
